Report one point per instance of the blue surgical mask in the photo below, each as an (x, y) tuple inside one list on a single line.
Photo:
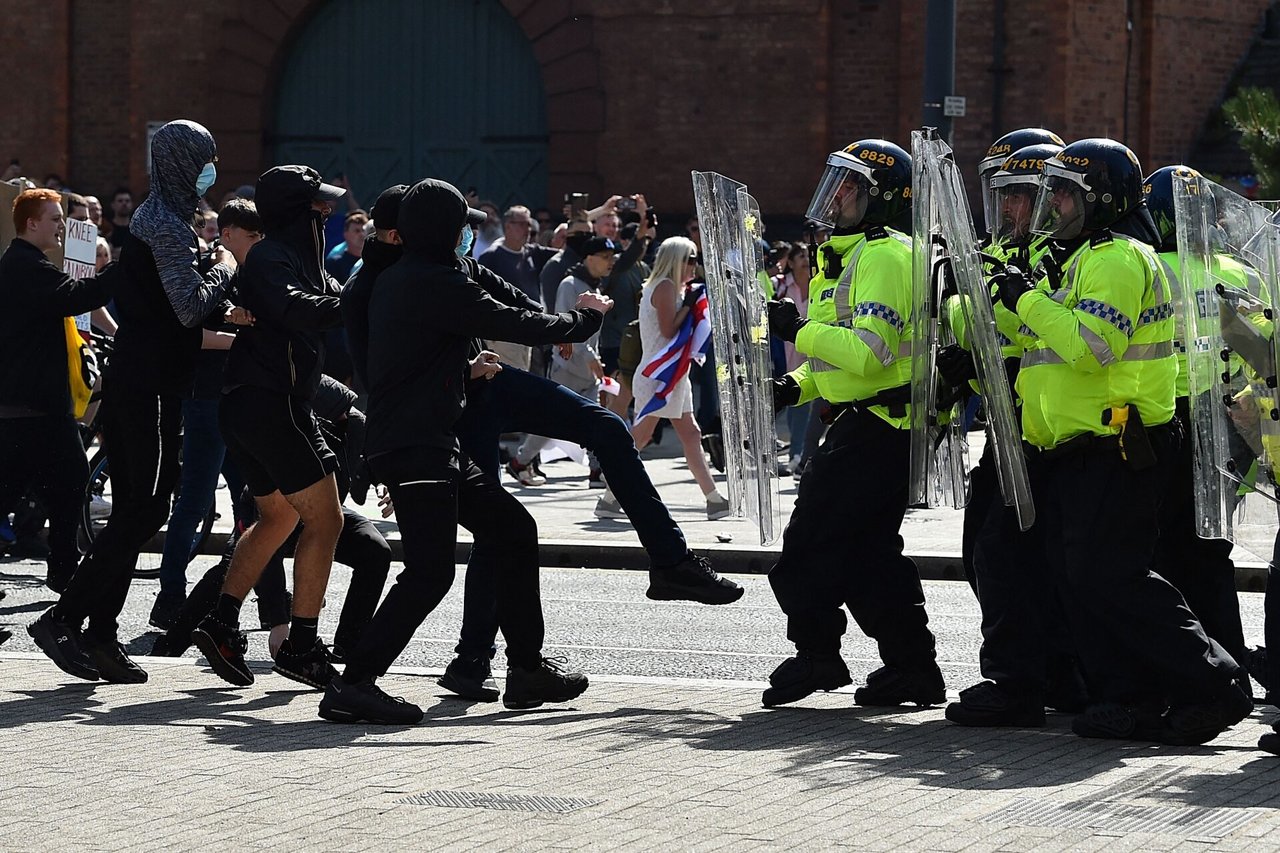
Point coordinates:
[(468, 237), (208, 175)]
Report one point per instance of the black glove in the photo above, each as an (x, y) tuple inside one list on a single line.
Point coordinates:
[(784, 319), (786, 392), (1012, 283), (955, 365), (948, 274), (691, 295)]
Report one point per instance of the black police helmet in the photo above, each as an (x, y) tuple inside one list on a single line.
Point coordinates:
[(880, 170), (1105, 178), (1157, 189), (1004, 147)]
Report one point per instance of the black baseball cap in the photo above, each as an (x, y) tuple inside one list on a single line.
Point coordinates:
[(599, 245), (386, 210)]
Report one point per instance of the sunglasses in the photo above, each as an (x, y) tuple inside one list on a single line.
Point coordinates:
[(692, 259)]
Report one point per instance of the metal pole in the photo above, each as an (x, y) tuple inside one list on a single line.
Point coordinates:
[(939, 63)]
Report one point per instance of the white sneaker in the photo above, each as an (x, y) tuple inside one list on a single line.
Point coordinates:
[(608, 507), (99, 507), (717, 507)]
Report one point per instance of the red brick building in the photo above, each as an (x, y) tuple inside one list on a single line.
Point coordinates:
[(620, 97)]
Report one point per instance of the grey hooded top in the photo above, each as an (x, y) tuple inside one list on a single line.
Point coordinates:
[(179, 151)]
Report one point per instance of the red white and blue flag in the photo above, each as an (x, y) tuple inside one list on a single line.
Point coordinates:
[(671, 364)]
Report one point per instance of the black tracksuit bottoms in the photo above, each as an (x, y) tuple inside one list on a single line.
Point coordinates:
[(143, 434), (843, 547), (44, 456), (434, 490)]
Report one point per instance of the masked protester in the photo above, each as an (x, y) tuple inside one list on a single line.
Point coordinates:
[(161, 301)]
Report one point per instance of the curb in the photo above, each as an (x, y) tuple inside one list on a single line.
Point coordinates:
[(727, 559)]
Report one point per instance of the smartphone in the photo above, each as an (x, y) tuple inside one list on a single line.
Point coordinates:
[(578, 202), (626, 203)]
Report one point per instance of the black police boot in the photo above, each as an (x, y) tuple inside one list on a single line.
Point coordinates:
[(548, 682), (470, 679), (358, 701), (988, 704), (1186, 725), (806, 673), (692, 579), (61, 643), (112, 663), (1117, 721), (310, 666), (890, 685)]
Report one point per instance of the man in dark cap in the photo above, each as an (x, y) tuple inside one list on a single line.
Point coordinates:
[(266, 417), (424, 314), (161, 300), (381, 252)]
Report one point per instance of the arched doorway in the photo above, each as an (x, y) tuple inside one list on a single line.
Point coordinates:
[(391, 91)]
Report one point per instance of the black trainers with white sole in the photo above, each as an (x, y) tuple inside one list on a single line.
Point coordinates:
[(311, 667)]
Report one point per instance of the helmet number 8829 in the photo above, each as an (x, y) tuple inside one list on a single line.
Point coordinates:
[(877, 157)]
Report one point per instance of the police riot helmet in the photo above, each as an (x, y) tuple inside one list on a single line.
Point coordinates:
[(1086, 187), (1014, 187), (1002, 149), (866, 184), (1157, 189)]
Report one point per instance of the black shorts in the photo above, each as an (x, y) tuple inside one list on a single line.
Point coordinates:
[(274, 440)]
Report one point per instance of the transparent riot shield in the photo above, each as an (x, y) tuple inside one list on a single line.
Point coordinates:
[(949, 223), (731, 224), (1229, 255), (939, 446)]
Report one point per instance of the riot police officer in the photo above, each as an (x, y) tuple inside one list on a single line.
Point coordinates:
[(842, 545), (1097, 385), (997, 155), (1200, 568)]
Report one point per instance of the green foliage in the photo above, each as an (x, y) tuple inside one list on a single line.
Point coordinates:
[(1255, 112)]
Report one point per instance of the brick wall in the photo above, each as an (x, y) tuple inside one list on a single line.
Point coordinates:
[(640, 95)]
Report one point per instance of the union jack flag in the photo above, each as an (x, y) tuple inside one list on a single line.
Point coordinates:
[(671, 364)]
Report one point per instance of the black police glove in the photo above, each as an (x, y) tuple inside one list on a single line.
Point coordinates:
[(955, 365), (786, 392), (691, 295), (1012, 283), (947, 271), (784, 319)]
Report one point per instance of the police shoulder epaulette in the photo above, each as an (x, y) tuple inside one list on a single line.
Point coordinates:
[(1100, 238)]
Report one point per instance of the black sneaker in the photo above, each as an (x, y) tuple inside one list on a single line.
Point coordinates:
[(692, 579), (167, 609), (364, 700), (1186, 725), (550, 682), (311, 667), (223, 647), (61, 643), (112, 663), (806, 673), (470, 679), (988, 704), (890, 685), (1116, 721), (169, 646)]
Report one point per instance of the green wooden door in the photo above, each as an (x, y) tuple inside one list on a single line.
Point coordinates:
[(392, 91)]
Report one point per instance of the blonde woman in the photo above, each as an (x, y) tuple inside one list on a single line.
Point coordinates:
[(665, 302)]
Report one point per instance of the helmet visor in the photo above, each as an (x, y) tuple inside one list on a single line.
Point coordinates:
[(1013, 200), (1060, 205), (840, 201), (987, 171)]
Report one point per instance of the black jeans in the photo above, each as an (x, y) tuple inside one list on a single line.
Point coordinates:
[(1131, 628), (434, 491), (516, 401), (842, 546), (984, 496), (44, 456), (143, 435)]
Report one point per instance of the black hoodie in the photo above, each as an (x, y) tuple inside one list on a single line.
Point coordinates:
[(423, 315), (377, 256), (284, 285)]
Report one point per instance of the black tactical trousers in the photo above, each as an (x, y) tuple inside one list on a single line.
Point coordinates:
[(1099, 520), (1201, 569), (842, 547)]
